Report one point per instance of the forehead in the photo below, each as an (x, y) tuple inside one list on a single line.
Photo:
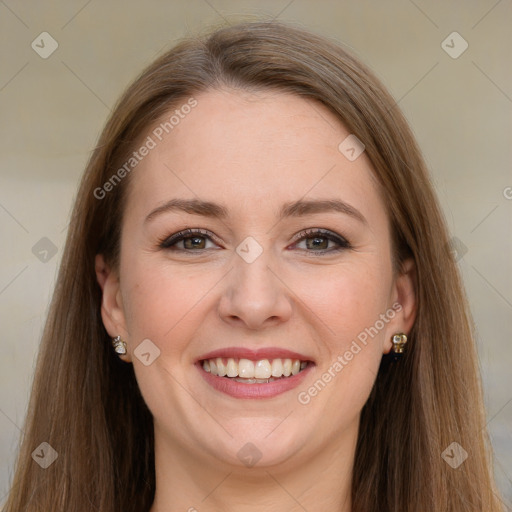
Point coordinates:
[(250, 149)]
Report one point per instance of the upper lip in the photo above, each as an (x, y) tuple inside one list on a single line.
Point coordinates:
[(255, 354)]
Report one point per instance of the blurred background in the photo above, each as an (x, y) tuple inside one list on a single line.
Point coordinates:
[(64, 64)]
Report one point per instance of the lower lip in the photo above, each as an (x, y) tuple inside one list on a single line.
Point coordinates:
[(240, 390)]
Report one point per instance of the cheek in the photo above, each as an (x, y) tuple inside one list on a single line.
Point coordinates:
[(347, 298), (159, 303), (350, 306)]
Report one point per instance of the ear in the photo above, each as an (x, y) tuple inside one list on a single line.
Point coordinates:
[(112, 312), (404, 299)]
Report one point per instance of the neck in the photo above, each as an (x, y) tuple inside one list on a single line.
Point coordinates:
[(187, 484)]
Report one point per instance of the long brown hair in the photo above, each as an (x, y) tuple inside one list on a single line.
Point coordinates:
[(86, 403)]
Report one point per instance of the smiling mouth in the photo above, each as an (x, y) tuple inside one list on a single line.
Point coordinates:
[(247, 371)]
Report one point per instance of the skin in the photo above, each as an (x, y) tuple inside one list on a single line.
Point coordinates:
[(234, 148)]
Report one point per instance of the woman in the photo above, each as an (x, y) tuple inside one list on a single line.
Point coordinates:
[(256, 308)]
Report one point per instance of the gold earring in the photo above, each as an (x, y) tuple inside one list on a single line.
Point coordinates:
[(119, 345), (399, 340)]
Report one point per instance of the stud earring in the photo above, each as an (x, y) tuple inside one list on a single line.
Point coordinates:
[(399, 340), (119, 345)]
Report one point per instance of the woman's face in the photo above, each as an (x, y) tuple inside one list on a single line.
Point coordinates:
[(258, 284)]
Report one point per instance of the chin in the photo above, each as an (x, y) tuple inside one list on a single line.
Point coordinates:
[(259, 443)]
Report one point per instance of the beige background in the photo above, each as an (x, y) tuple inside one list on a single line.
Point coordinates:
[(52, 111)]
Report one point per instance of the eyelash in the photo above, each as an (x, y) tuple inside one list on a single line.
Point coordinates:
[(168, 242)]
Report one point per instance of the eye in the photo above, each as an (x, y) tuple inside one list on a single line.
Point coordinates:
[(193, 240), (317, 241)]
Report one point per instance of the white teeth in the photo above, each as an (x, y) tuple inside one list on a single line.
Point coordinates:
[(221, 368), (246, 368), (249, 371), (262, 369), (232, 368), (277, 368)]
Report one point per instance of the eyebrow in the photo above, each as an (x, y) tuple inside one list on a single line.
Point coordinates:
[(298, 208)]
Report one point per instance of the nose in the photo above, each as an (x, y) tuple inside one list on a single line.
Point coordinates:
[(255, 296)]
